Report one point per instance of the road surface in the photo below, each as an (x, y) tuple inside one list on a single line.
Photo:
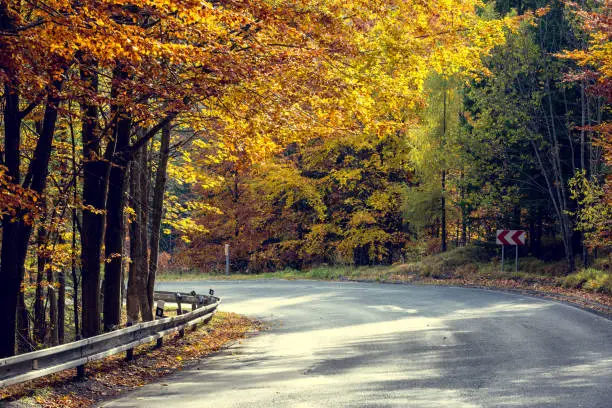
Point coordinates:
[(372, 345)]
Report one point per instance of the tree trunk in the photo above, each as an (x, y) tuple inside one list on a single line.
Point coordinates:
[(24, 342), (113, 237), (443, 181), (137, 299), (125, 265), (114, 246), (95, 182), (61, 307), (157, 209), (15, 230), (39, 301), (146, 307), (13, 251), (132, 304), (52, 298), (73, 267), (443, 211)]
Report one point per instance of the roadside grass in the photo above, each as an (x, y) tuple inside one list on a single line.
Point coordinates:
[(113, 376), (590, 279), (478, 265), (469, 262)]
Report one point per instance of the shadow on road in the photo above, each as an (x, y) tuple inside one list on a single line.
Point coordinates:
[(398, 346)]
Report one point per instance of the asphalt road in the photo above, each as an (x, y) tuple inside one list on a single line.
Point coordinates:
[(372, 345)]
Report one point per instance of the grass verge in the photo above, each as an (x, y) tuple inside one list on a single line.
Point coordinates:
[(113, 376), (466, 266)]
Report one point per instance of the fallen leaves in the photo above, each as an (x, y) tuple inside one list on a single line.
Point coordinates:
[(110, 377)]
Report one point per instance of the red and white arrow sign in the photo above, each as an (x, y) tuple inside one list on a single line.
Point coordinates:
[(510, 237)]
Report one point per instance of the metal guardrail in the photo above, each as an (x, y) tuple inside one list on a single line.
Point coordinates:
[(28, 366)]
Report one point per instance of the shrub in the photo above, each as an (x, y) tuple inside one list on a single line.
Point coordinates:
[(539, 267), (467, 270), (450, 260), (603, 262), (589, 279), (406, 269)]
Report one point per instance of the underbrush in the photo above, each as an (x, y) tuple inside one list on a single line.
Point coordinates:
[(462, 261), (472, 263), (590, 279)]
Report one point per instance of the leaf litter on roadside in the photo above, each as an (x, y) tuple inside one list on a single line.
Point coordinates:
[(113, 375)]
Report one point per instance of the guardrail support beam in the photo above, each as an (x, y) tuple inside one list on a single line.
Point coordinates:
[(77, 354)]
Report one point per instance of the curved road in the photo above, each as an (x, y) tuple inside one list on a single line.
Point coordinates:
[(372, 345)]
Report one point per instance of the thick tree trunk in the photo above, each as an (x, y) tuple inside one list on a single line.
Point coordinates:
[(137, 298), (14, 247), (114, 249), (95, 182), (157, 208), (113, 240), (24, 342), (15, 230), (12, 253), (113, 237)]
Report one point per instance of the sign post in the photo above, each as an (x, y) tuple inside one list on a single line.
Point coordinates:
[(516, 259), (510, 237), (227, 263)]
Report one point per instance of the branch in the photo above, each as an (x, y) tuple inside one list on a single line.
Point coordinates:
[(459, 30), (15, 30), (31, 106), (149, 135)]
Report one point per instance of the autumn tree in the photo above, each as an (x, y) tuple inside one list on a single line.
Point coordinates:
[(590, 186)]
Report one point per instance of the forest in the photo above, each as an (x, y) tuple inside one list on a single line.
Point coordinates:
[(140, 137)]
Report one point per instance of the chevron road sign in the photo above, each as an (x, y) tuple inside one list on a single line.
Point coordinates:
[(510, 237)]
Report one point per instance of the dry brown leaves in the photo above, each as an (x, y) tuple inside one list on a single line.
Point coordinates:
[(113, 375), (544, 287)]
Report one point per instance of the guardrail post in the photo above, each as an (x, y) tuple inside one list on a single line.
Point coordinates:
[(179, 310), (159, 314), (194, 305), (129, 353), (159, 311), (80, 374)]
